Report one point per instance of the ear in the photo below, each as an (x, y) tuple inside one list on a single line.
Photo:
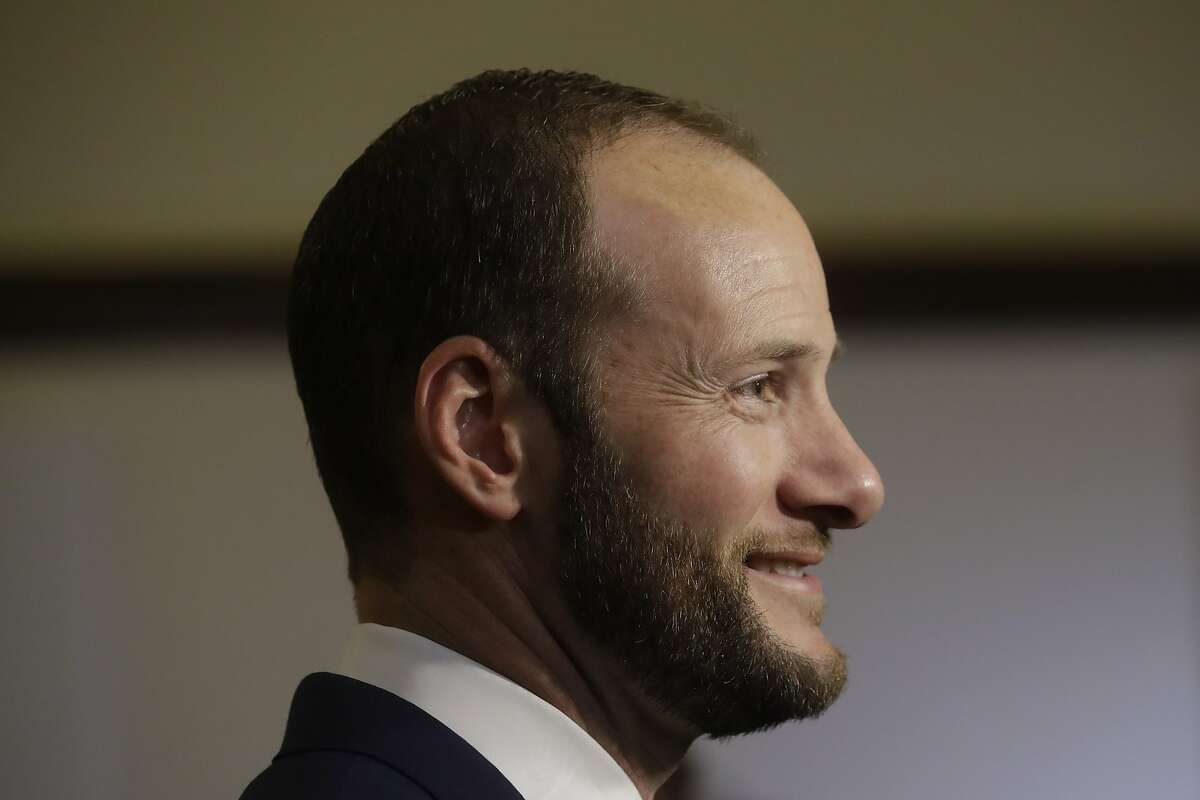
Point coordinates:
[(463, 415)]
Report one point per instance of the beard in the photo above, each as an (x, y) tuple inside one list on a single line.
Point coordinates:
[(673, 610)]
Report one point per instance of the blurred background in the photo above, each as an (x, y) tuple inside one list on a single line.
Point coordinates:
[(1006, 199)]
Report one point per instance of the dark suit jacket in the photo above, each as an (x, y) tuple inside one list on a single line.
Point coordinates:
[(349, 740)]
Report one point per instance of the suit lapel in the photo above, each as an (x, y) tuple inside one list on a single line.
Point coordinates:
[(334, 712)]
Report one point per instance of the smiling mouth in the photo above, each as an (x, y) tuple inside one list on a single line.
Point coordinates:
[(787, 570)]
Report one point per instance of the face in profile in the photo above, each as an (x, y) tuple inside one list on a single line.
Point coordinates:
[(704, 490)]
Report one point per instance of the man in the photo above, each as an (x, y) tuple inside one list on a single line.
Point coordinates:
[(562, 350)]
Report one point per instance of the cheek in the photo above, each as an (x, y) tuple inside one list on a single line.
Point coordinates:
[(714, 479)]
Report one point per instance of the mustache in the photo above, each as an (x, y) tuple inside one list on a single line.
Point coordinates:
[(814, 540)]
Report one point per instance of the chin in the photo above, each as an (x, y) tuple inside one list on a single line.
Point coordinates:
[(794, 622), (805, 639)]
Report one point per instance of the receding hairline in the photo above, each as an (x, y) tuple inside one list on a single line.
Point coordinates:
[(696, 152)]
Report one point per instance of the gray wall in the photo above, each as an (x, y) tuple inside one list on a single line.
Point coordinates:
[(1022, 618)]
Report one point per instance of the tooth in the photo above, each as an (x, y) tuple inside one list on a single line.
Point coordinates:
[(786, 568), (777, 566)]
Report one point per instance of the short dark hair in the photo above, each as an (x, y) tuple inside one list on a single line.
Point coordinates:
[(469, 215)]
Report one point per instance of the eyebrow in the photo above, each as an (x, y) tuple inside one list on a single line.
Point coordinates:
[(780, 350)]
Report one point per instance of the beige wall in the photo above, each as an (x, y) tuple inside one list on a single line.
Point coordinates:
[(145, 130)]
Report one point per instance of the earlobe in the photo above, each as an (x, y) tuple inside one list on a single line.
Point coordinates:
[(461, 415)]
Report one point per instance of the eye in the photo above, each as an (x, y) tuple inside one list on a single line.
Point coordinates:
[(760, 387)]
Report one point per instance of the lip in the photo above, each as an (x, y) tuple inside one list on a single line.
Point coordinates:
[(805, 558), (805, 583)]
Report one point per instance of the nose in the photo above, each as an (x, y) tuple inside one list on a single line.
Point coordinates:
[(830, 479)]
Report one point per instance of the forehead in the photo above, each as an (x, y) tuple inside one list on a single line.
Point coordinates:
[(719, 252)]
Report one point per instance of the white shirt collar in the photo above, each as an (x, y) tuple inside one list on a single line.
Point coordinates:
[(540, 750)]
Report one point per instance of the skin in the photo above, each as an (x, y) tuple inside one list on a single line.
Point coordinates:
[(713, 391), (735, 268)]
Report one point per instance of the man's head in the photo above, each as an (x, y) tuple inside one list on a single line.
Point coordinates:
[(468, 216), (718, 465), (551, 243)]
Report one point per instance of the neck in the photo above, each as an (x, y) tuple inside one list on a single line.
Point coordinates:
[(482, 604)]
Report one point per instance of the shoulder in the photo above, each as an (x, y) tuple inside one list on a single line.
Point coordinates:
[(348, 739), (332, 775)]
